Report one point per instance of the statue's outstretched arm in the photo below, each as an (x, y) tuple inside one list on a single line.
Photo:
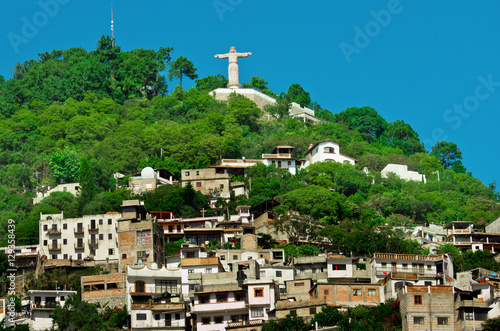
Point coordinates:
[(222, 56), (243, 54)]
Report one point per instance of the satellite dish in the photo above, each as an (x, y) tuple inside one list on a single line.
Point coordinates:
[(140, 261), (148, 172), (147, 252)]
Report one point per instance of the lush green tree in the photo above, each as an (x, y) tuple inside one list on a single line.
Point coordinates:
[(328, 316), (65, 165), (447, 152), (211, 83), (296, 93), (182, 67), (290, 322), (491, 324), (266, 241), (173, 248), (364, 119), (401, 135), (87, 185)]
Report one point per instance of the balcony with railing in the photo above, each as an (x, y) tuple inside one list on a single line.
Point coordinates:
[(80, 245), (54, 232), (159, 306), (79, 230), (153, 291), (218, 306), (94, 227), (56, 247), (244, 323), (409, 257), (410, 273), (43, 305), (93, 242)]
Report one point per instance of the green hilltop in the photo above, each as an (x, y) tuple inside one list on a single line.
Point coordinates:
[(74, 115)]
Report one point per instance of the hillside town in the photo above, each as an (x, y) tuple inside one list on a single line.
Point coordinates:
[(222, 278)]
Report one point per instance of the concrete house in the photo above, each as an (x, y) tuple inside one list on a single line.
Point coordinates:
[(42, 305), (326, 150)]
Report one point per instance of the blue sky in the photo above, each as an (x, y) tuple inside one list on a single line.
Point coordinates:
[(432, 64)]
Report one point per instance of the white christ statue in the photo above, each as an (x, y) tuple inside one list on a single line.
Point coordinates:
[(233, 65)]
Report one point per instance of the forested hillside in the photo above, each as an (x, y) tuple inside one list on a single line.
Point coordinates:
[(73, 115)]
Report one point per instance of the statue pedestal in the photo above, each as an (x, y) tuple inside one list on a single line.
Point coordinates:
[(234, 86)]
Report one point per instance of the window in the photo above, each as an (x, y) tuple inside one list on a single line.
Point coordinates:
[(124, 256), (240, 296), (418, 320), (143, 237), (198, 184), (101, 236), (405, 266), (186, 173), (235, 257), (293, 312), (427, 283), (204, 320), (221, 297), (222, 257), (312, 311), (170, 228), (142, 255), (178, 228), (140, 286), (329, 150), (79, 256), (326, 292), (110, 236), (111, 251), (468, 315), (417, 299), (140, 317), (54, 257), (45, 242), (110, 221), (356, 292), (429, 268), (190, 271), (257, 311), (218, 319), (442, 320), (45, 227), (372, 292), (235, 318), (157, 317), (299, 284), (65, 256), (62, 298), (278, 274), (65, 226), (208, 270), (339, 267), (383, 265), (177, 316), (162, 286), (100, 222), (65, 241), (259, 292), (204, 299)]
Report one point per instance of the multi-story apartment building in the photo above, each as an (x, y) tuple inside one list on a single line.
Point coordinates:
[(397, 270), (154, 298), (140, 238), (427, 308), (42, 305), (89, 237), (349, 295)]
